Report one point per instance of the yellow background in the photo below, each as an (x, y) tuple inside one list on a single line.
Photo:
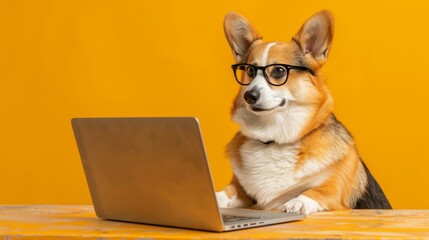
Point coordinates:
[(64, 59)]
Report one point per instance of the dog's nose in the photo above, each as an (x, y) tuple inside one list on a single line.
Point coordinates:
[(252, 96)]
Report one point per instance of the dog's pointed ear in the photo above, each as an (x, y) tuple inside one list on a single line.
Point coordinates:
[(240, 34), (315, 36)]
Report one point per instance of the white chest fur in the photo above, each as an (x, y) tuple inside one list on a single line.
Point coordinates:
[(268, 173), (267, 170)]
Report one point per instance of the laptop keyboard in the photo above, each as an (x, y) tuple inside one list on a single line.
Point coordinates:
[(233, 218)]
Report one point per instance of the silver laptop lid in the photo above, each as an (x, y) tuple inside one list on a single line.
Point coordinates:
[(148, 170)]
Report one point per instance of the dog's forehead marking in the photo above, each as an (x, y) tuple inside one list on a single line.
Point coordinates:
[(264, 59)]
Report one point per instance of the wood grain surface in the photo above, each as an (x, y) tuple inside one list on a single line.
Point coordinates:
[(76, 222)]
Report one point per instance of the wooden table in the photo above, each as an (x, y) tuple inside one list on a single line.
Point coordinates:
[(75, 222)]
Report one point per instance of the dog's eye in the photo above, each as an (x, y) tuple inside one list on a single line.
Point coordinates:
[(251, 72), (278, 72)]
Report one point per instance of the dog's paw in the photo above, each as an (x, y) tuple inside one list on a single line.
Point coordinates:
[(303, 205), (222, 199)]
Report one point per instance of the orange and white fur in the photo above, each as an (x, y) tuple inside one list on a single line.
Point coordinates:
[(291, 153)]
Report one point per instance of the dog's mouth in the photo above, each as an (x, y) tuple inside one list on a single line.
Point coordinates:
[(257, 109)]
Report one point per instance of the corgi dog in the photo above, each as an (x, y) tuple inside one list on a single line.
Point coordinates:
[(291, 153)]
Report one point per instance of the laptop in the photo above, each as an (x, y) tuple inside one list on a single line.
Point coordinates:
[(155, 171)]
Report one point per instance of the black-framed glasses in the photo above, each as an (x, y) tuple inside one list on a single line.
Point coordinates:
[(275, 74)]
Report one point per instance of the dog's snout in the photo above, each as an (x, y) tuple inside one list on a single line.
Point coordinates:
[(252, 96)]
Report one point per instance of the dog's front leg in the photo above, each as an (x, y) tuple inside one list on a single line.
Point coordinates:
[(234, 196), (302, 204), (327, 196)]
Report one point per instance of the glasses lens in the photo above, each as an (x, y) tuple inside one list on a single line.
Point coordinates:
[(277, 74), (245, 74)]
